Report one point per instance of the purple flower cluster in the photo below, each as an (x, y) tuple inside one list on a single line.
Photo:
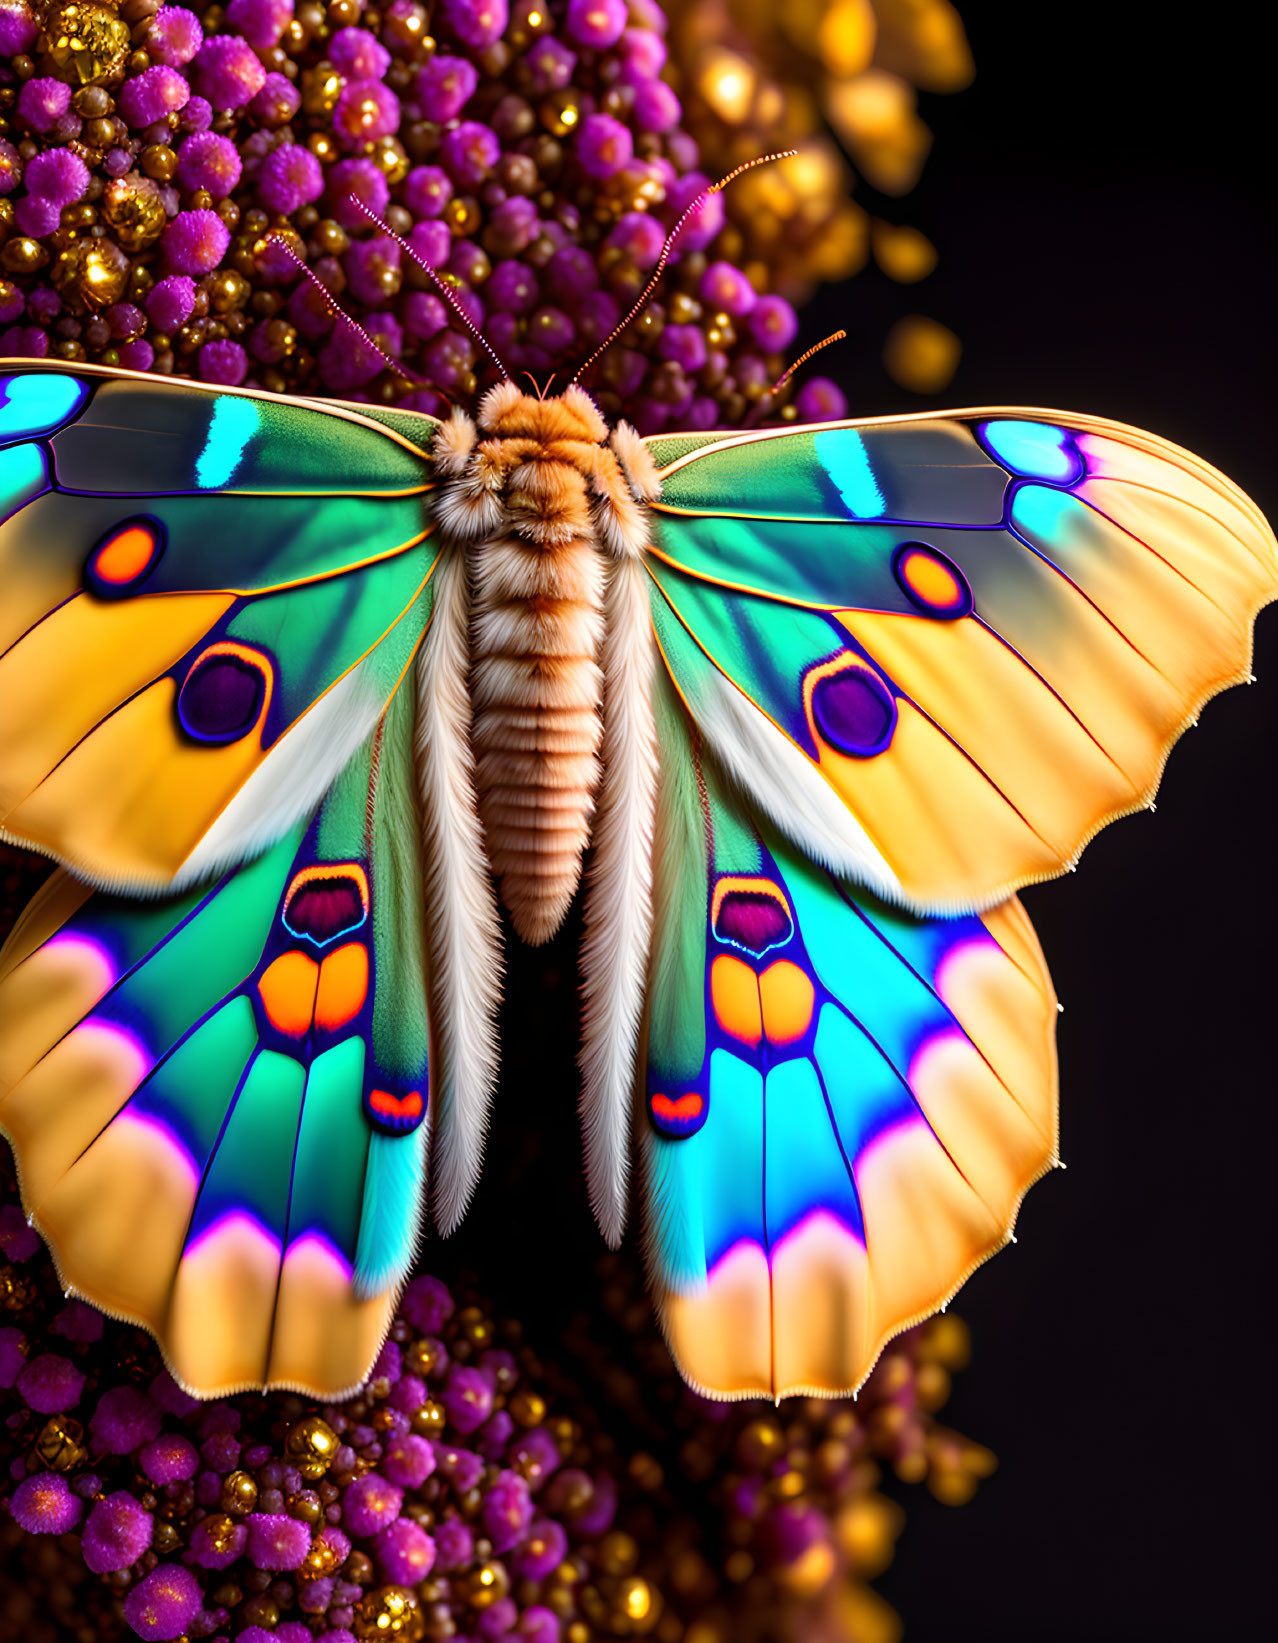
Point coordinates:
[(442, 1485), (528, 151)]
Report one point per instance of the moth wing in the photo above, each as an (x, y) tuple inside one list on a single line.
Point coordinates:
[(844, 1103), (217, 1101), (207, 598), (941, 652)]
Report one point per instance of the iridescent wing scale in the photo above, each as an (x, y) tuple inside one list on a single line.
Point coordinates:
[(934, 655)]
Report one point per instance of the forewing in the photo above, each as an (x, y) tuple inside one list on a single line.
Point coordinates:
[(216, 1101), (844, 1103), (207, 598), (941, 652)]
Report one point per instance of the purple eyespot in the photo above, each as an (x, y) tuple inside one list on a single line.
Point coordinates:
[(223, 694), (854, 711)]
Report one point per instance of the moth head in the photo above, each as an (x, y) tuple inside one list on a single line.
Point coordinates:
[(507, 412)]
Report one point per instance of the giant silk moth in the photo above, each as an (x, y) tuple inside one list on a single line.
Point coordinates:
[(295, 693)]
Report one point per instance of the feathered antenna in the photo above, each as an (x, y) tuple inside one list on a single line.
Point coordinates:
[(445, 290), (338, 312), (671, 237)]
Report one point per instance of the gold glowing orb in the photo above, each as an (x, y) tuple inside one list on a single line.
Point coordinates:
[(921, 354)]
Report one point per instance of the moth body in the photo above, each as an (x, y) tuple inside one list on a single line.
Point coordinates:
[(539, 502)]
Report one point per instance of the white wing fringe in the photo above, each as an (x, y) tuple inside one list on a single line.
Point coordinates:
[(461, 904), (619, 895)]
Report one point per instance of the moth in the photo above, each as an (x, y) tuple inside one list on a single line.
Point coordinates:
[(297, 694)]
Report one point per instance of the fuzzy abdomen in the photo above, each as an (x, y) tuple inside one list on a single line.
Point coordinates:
[(536, 628)]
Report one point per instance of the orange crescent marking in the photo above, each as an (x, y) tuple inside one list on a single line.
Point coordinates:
[(751, 886), (687, 1107), (396, 1106)]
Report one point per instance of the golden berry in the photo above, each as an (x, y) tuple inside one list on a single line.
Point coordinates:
[(390, 1611), (239, 1493), (23, 255), (311, 1443), (527, 1408), (429, 1420), (59, 1446), (219, 1533), (421, 1357), (484, 1586), (133, 208), (87, 41)]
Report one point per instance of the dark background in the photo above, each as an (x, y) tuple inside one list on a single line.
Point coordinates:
[(1099, 200)]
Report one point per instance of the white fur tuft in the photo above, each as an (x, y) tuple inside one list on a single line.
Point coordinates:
[(636, 462), (454, 441), (461, 907), (614, 956), (787, 787)]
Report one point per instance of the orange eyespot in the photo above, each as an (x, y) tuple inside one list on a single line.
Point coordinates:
[(123, 559), (787, 996), (933, 582), (734, 990), (287, 990), (343, 986)]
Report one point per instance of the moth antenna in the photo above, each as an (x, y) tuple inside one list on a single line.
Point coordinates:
[(445, 290), (671, 237), (338, 312), (834, 336), (540, 392), (763, 404)]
